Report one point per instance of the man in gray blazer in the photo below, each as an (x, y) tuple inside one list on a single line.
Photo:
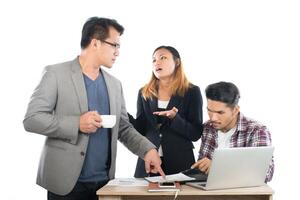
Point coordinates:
[(79, 155)]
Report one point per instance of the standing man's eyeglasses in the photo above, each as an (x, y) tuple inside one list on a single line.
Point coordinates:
[(115, 45)]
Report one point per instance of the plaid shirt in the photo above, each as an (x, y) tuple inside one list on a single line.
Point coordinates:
[(249, 133)]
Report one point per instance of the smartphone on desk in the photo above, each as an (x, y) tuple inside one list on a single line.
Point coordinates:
[(167, 185)]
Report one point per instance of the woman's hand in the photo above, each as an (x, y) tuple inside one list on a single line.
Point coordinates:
[(168, 113)]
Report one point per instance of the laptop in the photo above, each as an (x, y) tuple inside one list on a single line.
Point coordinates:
[(237, 167)]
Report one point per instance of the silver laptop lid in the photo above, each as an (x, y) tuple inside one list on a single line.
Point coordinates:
[(239, 167)]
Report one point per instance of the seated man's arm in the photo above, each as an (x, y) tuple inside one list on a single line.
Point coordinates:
[(262, 137)]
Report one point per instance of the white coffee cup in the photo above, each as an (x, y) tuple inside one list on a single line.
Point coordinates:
[(108, 121)]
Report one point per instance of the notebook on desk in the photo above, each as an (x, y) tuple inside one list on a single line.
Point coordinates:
[(237, 167)]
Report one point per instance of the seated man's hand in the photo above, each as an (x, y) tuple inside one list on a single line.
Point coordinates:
[(153, 162), (203, 165)]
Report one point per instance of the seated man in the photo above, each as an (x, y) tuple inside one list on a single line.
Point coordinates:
[(227, 127)]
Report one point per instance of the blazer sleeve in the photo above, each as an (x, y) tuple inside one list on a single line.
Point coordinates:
[(40, 116), (189, 123), (140, 122), (128, 135)]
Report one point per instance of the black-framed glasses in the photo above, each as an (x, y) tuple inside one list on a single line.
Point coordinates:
[(115, 45)]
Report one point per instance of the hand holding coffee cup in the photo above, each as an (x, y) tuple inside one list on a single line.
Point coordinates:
[(89, 122), (108, 121)]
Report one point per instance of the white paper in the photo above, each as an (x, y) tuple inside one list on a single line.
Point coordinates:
[(128, 182), (169, 178)]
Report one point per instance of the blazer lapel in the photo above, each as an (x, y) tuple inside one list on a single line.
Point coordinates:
[(78, 82), (153, 104), (111, 89), (153, 108), (175, 101)]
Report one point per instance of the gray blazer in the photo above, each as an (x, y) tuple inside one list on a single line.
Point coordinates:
[(54, 111)]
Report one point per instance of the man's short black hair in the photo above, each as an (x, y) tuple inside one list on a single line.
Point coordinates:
[(98, 28), (225, 92)]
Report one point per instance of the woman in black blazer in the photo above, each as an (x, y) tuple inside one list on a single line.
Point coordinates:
[(169, 113)]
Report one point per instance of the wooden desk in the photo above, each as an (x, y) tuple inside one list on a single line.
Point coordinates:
[(186, 193)]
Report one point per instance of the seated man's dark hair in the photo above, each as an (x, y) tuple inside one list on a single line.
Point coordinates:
[(225, 92)]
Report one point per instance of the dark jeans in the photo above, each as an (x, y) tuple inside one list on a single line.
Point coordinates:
[(81, 191)]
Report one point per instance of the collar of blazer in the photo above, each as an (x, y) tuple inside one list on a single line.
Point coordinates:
[(78, 81)]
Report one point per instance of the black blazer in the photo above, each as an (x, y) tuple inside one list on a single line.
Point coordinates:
[(175, 135)]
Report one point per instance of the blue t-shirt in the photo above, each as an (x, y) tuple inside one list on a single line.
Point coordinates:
[(96, 163)]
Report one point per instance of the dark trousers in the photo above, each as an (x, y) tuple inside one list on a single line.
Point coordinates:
[(81, 191)]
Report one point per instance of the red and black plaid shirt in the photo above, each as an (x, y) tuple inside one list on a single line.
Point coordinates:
[(249, 133)]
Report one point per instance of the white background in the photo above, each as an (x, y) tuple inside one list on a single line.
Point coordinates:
[(254, 44)]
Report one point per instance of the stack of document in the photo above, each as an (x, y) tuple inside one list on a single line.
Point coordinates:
[(184, 176), (131, 182)]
